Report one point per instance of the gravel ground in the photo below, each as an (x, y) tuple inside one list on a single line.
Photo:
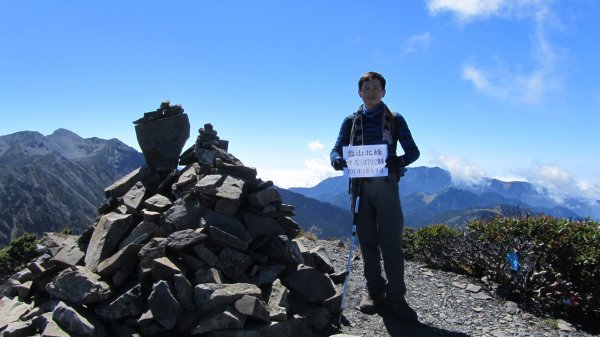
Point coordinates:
[(448, 304)]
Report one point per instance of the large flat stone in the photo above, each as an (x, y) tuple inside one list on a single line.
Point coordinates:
[(264, 197), (11, 310), (184, 292), (206, 255), (158, 203), (253, 307), (155, 248), (297, 326), (123, 258), (278, 301), (76, 323), (226, 224), (79, 285), (231, 188), (208, 275), (134, 198), (259, 225), (185, 213), (141, 233), (164, 306), (70, 254), (234, 263), (210, 296), (121, 186), (311, 283), (322, 262), (163, 268), (227, 319), (182, 239), (106, 237), (221, 238), (128, 304), (281, 248), (19, 329)]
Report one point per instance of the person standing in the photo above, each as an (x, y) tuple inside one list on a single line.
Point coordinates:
[(380, 220)]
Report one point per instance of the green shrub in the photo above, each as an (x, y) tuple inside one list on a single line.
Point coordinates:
[(17, 254), (558, 259), (408, 242), (430, 244)]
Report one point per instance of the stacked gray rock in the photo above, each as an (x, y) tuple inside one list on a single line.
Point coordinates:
[(206, 250), (165, 110)]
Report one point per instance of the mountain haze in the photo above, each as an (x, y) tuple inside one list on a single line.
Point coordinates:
[(430, 196), (48, 183), (52, 182)]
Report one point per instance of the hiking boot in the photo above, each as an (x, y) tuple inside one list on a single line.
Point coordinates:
[(370, 303), (402, 311)]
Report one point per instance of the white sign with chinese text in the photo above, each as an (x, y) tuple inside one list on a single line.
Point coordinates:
[(365, 161)]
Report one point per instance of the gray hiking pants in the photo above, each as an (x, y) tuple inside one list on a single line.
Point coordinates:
[(379, 228)]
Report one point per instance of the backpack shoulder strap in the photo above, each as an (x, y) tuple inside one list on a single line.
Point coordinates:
[(356, 132)]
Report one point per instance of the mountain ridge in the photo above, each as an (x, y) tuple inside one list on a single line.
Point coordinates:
[(51, 182), (426, 193), (48, 183)]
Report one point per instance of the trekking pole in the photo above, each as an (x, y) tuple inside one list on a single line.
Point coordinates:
[(354, 216)]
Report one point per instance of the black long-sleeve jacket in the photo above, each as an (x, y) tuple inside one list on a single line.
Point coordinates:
[(373, 134)]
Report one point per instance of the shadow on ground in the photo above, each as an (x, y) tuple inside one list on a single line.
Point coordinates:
[(397, 328)]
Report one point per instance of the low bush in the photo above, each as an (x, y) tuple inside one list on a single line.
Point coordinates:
[(554, 264), (430, 244), (17, 254)]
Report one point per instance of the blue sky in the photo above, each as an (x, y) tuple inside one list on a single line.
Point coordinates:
[(496, 88)]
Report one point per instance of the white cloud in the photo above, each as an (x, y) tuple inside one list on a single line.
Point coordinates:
[(477, 77), (529, 88), (552, 173), (315, 145), (315, 171), (464, 172), (557, 182), (420, 41), (470, 10), (589, 189), (560, 183), (466, 9)]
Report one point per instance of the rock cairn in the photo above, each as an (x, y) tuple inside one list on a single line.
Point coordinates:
[(164, 110), (207, 250)]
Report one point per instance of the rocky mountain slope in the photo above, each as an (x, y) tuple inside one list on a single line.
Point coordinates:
[(326, 220), (48, 183), (429, 196)]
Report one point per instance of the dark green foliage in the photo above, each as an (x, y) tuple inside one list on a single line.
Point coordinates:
[(559, 259), (18, 253), (430, 243)]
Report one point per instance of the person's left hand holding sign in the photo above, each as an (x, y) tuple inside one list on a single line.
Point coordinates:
[(339, 164), (394, 162)]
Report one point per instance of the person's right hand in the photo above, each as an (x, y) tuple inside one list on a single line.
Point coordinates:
[(339, 164)]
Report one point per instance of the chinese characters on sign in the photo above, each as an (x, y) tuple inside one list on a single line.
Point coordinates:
[(365, 161)]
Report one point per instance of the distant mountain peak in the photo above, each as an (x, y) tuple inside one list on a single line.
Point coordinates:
[(56, 181), (64, 133), (24, 143), (429, 194)]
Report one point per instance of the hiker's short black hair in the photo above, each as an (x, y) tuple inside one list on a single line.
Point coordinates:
[(371, 75)]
